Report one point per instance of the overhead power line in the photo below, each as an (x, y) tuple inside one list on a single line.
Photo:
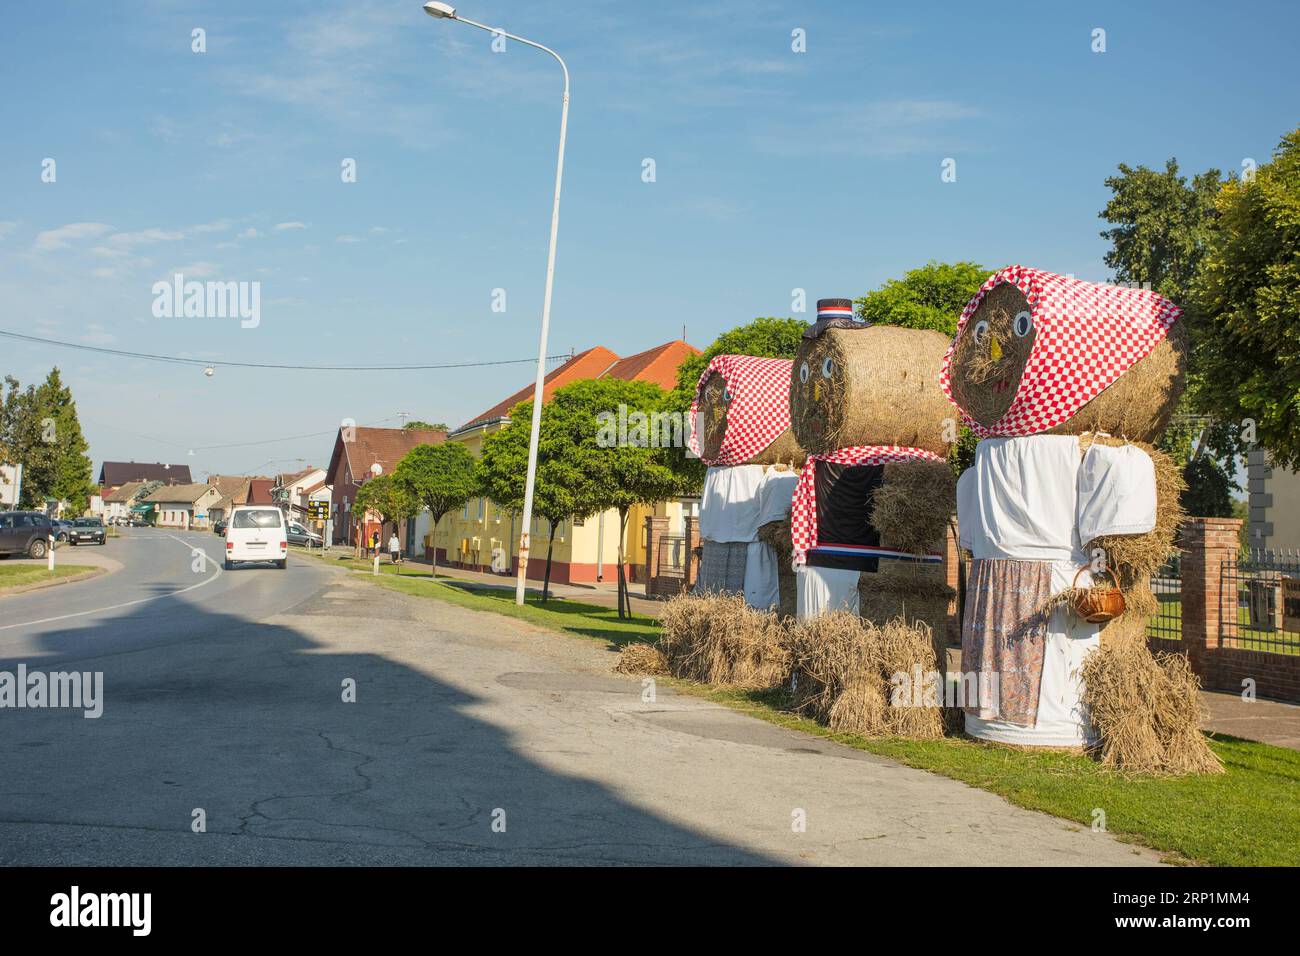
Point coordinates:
[(223, 363)]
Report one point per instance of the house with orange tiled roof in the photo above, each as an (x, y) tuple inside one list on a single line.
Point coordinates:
[(361, 452), (483, 537)]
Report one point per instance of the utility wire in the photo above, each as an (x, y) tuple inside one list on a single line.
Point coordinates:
[(221, 363)]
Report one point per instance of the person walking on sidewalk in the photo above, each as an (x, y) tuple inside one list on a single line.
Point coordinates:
[(395, 548)]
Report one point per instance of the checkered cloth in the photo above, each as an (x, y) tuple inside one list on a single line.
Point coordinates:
[(760, 405), (1086, 336), (803, 510)]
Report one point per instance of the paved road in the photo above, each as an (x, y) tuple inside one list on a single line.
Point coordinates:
[(224, 692)]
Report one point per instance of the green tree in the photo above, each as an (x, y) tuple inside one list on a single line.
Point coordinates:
[(1161, 227), (391, 499), (441, 477), (626, 469), (39, 429), (440, 426), (931, 297), (563, 487), (1247, 307)]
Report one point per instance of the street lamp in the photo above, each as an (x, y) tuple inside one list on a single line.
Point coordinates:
[(445, 11)]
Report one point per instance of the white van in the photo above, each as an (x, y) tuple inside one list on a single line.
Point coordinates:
[(256, 533)]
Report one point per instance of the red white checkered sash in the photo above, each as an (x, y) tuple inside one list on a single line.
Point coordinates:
[(803, 509), (759, 410), (1086, 336)]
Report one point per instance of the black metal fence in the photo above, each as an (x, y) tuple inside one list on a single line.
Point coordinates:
[(1167, 586), (1262, 592)]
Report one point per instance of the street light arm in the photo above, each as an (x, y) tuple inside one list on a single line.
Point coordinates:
[(510, 36)]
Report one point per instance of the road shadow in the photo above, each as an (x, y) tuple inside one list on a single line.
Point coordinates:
[(247, 722)]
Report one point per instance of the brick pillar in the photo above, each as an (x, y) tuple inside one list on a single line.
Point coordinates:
[(655, 527), (1207, 543)]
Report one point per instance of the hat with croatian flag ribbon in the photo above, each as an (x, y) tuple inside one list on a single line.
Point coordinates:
[(833, 314)]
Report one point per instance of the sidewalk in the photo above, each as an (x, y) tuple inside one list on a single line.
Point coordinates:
[(604, 594)]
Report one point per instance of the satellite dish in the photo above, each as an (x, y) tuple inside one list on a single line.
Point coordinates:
[(376, 469)]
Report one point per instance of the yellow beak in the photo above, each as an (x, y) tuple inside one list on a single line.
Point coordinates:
[(817, 391), (995, 348)]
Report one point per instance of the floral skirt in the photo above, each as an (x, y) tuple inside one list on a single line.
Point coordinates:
[(1003, 634)]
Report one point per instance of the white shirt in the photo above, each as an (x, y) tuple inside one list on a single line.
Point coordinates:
[(394, 544), (729, 509)]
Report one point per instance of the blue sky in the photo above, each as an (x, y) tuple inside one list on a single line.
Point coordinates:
[(775, 170)]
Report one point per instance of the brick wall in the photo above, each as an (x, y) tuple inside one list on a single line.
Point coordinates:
[(1207, 600)]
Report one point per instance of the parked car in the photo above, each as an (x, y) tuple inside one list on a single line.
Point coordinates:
[(61, 529), (219, 527), (304, 537), (134, 522), (87, 531), (256, 533), (25, 532)]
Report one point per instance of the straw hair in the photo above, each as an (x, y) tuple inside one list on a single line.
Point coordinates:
[(639, 658), (720, 640), (1140, 403), (883, 390), (712, 409), (845, 674), (776, 535)]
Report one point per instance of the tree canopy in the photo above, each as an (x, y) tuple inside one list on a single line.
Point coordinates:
[(390, 498), (39, 429), (931, 297), (1160, 224), (441, 477), (1246, 298)]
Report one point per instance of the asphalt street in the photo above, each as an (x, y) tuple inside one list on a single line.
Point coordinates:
[(471, 739)]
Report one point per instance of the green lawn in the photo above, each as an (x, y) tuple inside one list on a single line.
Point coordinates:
[(1249, 816), (13, 575)]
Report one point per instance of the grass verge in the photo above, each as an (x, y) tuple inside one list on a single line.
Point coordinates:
[(1248, 816), (17, 575)]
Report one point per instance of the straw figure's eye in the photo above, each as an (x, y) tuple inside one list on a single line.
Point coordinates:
[(726, 394), (1024, 324), (803, 372), (828, 367), (981, 332)]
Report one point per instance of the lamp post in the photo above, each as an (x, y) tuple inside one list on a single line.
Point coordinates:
[(448, 12)]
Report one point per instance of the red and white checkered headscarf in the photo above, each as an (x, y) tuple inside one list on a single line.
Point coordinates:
[(1086, 336), (759, 410), (803, 509)]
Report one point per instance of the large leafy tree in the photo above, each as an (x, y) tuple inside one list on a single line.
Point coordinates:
[(1161, 224), (441, 477), (1247, 307), (564, 488), (39, 429), (391, 499), (931, 297), (637, 468)]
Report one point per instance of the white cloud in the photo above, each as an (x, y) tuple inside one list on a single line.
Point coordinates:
[(282, 226), (145, 236), (249, 233), (64, 236), (348, 239)]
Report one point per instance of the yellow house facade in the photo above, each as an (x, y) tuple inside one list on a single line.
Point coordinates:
[(483, 537)]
